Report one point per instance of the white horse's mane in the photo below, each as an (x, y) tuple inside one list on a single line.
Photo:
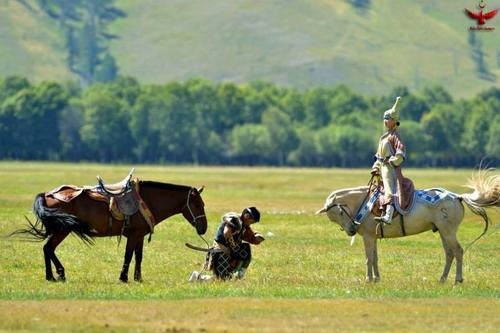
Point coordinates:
[(340, 193)]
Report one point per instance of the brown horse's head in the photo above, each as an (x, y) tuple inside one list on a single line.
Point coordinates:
[(194, 211)]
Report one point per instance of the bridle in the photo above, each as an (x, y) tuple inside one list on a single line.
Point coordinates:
[(342, 207), (195, 218)]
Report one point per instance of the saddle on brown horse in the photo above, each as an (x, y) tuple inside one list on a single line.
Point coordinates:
[(123, 198)]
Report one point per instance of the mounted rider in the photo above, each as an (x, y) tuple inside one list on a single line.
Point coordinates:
[(391, 154)]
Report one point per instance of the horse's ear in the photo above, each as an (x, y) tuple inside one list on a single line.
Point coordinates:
[(201, 189), (321, 211)]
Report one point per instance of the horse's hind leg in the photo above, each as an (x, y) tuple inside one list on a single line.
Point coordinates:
[(50, 256), (453, 250), (448, 259), (138, 260), (459, 254), (48, 251)]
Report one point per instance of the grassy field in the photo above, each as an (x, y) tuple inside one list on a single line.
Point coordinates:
[(304, 278)]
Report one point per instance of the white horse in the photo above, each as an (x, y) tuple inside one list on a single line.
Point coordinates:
[(444, 215)]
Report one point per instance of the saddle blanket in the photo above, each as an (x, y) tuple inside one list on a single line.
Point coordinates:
[(430, 196), (434, 195)]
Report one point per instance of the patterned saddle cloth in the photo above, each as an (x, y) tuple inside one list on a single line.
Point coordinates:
[(432, 196)]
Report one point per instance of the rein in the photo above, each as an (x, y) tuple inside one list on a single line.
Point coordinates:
[(342, 207), (370, 183)]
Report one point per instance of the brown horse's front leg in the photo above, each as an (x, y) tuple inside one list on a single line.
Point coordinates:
[(138, 260)]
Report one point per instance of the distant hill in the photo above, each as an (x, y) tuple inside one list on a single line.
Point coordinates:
[(298, 43)]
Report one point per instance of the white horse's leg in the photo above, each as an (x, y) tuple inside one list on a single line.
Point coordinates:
[(448, 259), (371, 256), (376, 274), (457, 252), (459, 255)]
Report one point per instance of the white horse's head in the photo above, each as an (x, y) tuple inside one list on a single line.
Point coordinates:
[(341, 207)]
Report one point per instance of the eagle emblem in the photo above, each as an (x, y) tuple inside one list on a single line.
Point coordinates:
[(481, 17)]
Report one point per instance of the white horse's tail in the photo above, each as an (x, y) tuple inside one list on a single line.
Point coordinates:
[(486, 194), (486, 189)]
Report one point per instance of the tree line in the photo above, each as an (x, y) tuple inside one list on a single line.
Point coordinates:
[(257, 123)]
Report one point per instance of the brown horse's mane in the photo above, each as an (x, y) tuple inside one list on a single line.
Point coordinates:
[(164, 186)]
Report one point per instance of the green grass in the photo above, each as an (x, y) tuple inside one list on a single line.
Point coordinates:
[(306, 257), (305, 277)]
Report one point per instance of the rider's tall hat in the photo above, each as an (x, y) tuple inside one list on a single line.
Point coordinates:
[(393, 113)]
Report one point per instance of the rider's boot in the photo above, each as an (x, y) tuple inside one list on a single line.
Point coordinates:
[(194, 276), (387, 218), (240, 273)]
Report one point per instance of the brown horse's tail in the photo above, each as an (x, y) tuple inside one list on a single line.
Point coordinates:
[(53, 220), (486, 194)]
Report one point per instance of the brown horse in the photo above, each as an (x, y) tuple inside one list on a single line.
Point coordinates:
[(89, 218)]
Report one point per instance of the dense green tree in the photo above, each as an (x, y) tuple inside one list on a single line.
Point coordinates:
[(11, 85), (436, 95), (443, 128), (292, 104), (476, 130), (207, 127), (232, 105), (417, 142), (71, 121), (30, 122), (316, 102), (282, 134), (306, 152), (250, 144), (143, 130), (350, 146), (343, 103), (326, 146), (105, 132), (492, 148), (258, 98)]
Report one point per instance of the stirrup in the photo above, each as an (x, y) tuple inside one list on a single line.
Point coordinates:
[(383, 219)]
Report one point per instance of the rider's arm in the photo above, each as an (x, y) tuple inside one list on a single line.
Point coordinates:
[(228, 235), (252, 237), (398, 158)]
